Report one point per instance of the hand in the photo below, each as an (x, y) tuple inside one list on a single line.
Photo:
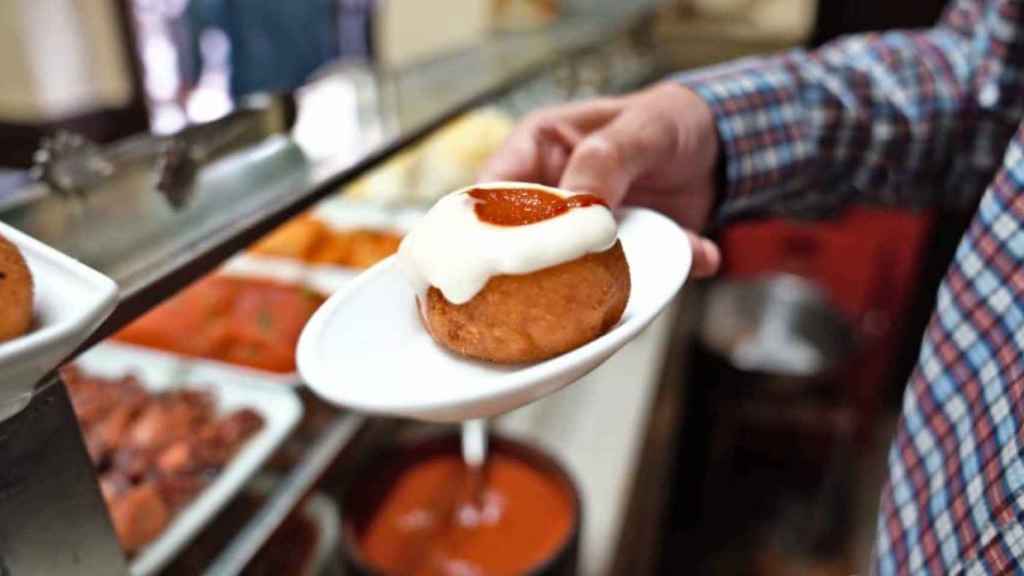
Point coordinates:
[(655, 148)]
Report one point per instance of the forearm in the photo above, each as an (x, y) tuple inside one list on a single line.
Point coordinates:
[(896, 118)]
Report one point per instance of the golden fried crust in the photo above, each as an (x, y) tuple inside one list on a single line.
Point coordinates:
[(532, 317), (15, 292)]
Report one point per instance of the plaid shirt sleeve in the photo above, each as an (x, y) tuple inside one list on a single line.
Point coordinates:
[(920, 117), (901, 117)]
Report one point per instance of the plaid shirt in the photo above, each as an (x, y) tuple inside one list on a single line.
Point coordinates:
[(916, 117)]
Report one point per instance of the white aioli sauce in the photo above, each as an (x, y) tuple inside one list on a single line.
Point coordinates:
[(454, 251)]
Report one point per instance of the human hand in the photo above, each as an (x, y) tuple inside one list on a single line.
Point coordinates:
[(656, 148)]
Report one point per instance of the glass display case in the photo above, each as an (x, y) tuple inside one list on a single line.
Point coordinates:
[(156, 213), (662, 442)]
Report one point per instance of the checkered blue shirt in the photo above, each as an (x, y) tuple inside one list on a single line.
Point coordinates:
[(915, 117)]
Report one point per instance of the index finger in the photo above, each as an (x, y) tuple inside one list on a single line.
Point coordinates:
[(538, 147)]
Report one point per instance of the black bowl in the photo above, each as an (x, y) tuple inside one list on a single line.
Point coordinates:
[(370, 485)]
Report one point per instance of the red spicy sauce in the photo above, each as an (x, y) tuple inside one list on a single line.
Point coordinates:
[(524, 517), (522, 206)]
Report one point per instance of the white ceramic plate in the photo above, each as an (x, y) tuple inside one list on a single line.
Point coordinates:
[(366, 349), (71, 300), (158, 371)]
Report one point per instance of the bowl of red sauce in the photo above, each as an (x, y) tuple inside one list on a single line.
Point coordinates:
[(412, 512)]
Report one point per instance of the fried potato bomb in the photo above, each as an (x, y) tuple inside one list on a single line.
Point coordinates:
[(536, 316)]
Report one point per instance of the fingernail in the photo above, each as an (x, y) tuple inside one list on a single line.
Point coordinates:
[(711, 253)]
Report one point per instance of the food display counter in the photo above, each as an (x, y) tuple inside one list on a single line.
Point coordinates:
[(604, 429), (163, 213)]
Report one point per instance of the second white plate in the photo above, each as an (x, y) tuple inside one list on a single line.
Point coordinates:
[(71, 300), (366, 349)]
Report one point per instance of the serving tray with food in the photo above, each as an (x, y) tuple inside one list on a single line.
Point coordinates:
[(172, 440)]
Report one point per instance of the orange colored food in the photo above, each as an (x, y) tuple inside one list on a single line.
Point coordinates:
[(355, 248), (139, 516), (421, 526), (522, 206), (294, 239), (309, 240), (254, 323)]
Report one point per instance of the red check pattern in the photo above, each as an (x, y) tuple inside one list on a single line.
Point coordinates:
[(915, 117)]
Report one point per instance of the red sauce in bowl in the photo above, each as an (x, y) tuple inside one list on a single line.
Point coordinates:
[(522, 206), (422, 522)]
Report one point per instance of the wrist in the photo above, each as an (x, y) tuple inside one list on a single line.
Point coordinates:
[(706, 150)]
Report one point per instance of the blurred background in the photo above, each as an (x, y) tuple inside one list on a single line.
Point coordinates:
[(744, 433)]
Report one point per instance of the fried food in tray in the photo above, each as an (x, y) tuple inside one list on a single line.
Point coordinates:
[(244, 321), (16, 292), (310, 240), (154, 453)]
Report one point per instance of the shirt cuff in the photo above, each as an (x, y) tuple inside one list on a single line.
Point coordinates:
[(765, 152)]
